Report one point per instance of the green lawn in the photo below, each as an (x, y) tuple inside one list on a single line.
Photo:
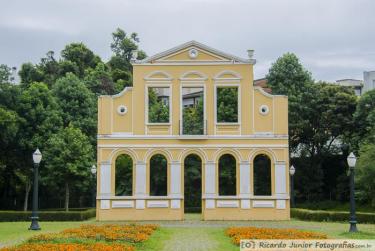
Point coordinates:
[(190, 234)]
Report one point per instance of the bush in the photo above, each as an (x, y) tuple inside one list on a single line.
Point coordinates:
[(319, 215), (48, 215)]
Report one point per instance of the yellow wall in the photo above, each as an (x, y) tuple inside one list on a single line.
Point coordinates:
[(131, 133)]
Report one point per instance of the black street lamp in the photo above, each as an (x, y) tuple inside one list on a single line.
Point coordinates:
[(37, 157), (353, 219), (93, 171), (292, 171)]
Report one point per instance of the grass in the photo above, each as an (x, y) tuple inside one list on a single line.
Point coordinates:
[(15, 232), (191, 234)]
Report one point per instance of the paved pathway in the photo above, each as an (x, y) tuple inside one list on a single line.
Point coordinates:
[(187, 240)]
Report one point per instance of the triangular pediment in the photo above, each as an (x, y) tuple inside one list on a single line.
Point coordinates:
[(193, 52)]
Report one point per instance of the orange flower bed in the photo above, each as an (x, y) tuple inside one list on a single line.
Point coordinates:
[(241, 233), (126, 233), (70, 247)]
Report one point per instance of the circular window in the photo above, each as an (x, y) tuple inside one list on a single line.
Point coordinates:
[(263, 109), (122, 110), (193, 53)]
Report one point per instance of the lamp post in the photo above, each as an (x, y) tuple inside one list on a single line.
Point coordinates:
[(353, 219), (292, 171), (93, 171), (37, 157)]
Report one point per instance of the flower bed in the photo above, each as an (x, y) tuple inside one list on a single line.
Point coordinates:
[(126, 233), (90, 238), (240, 233), (71, 246)]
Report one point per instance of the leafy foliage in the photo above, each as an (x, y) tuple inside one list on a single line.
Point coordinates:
[(193, 182), (158, 175), (227, 175), (158, 112), (193, 120), (227, 104), (124, 176), (68, 158)]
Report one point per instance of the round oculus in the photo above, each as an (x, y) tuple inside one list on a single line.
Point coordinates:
[(264, 110), (122, 110), (193, 53)]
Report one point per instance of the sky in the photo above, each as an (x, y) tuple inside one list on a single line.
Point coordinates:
[(334, 39)]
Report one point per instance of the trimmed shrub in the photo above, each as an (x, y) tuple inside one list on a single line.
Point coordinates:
[(48, 215), (319, 215)]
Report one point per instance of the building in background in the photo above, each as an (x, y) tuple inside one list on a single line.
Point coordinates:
[(355, 83), (369, 81)]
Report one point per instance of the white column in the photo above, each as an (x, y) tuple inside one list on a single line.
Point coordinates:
[(140, 179), (280, 179), (105, 178), (280, 184), (245, 184), (175, 185), (245, 179), (210, 183), (140, 184), (210, 178), (175, 179)]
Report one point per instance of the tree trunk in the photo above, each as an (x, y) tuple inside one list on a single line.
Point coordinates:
[(66, 196), (27, 192)]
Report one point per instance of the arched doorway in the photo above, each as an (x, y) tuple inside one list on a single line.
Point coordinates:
[(193, 184)]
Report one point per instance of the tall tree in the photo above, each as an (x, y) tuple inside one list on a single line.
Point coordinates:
[(77, 103), (82, 56), (5, 74), (40, 118), (68, 158), (30, 73), (364, 118), (99, 80), (288, 77)]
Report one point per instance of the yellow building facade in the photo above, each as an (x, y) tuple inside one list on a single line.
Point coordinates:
[(177, 107)]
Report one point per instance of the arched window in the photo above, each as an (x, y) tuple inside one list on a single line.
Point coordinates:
[(227, 175), (262, 175), (158, 175), (124, 176)]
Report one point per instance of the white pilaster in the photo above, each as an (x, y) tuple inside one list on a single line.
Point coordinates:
[(210, 177), (245, 179), (140, 179), (105, 178), (175, 179), (280, 178)]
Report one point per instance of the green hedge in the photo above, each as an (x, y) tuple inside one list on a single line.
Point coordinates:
[(319, 215), (48, 215)]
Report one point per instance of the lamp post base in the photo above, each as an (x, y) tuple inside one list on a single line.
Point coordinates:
[(34, 224), (353, 226)]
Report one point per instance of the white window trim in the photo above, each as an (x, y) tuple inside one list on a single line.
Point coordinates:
[(228, 84), (156, 85), (193, 84)]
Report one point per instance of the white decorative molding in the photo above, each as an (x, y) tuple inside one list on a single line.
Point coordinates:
[(210, 204), (244, 178), (105, 204), (175, 204), (280, 204), (227, 57), (263, 204), (175, 171), (122, 110), (245, 204), (140, 179), (123, 204), (280, 178), (236, 75), (228, 203), (166, 76), (202, 76), (140, 204), (105, 178), (249, 136), (210, 177), (157, 203)]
